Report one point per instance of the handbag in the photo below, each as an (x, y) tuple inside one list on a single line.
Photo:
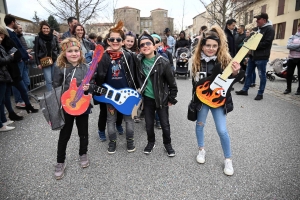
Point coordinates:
[(46, 62), (51, 107), (192, 111)]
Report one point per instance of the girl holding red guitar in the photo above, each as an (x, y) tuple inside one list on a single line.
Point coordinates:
[(70, 64)]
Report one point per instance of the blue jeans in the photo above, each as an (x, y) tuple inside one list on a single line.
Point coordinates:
[(2, 94), (25, 77), (220, 122), (261, 67), (111, 123), (253, 77), (48, 75)]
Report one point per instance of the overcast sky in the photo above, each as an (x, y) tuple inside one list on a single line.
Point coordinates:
[(26, 8)]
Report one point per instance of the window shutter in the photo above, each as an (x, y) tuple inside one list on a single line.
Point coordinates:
[(264, 8), (280, 7), (295, 25), (297, 5), (283, 30)]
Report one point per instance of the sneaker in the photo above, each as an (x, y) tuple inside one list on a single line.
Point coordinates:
[(8, 122), (6, 128), (157, 124), (102, 136), (258, 97), (84, 161), (252, 85), (148, 149), (130, 145), (59, 170), (20, 105), (137, 120), (13, 116), (112, 145), (120, 129), (287, 91), (201, 156), (242, 92), (170, 150), (297, 93), (228, 169)]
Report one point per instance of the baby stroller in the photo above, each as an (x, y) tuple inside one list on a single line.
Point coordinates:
[(182, 55), (279, 69)]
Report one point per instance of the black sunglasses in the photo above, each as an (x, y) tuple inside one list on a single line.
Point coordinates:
[(145, 44), (112, 39), (156, 41)]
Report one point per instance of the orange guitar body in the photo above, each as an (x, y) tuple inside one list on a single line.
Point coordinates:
[(67, 100)]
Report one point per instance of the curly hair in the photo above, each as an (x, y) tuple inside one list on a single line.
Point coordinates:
[(62, 61), (73, 32), (223, 55)]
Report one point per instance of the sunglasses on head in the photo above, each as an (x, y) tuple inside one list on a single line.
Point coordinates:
[(156, 41), (145, 44), (112, 39)]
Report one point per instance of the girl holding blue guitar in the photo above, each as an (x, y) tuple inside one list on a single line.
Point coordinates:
[(210, 58)]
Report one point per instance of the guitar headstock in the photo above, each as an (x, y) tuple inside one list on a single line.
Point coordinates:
[(99, 50), (253, 41)]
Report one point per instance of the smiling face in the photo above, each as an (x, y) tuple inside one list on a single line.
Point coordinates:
[(79, 31), (129, 41), (147, 48), (45, 30), (73, 55), (113, 39), (210, 48)]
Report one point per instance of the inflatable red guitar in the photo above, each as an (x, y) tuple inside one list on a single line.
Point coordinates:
[(74, 101)]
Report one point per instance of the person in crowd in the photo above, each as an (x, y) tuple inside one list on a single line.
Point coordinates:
[(12, 25), (170, 41), (23, 69), (100, 40), (93, 38), (14, 72), (159, 93), (230, 34), (46, 45), (202, 30), (130, 42), (294, 60), (86, 46), (260, 57), (5, 79), (117, 70), (239, 37), (70, 64), (211, 55), (182, 41), (72, 21)]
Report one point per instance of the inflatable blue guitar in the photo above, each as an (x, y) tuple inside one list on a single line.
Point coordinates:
[(124, 100)]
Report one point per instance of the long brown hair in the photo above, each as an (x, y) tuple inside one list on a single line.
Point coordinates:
[(62, 60), (223, 55)]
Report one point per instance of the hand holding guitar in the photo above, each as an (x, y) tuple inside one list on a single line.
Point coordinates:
[(85, 87), (235, 68)]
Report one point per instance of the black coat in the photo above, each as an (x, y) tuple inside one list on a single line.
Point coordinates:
[(13, 67), (230, 41), (5, 59), (182, 42), (239, 41)]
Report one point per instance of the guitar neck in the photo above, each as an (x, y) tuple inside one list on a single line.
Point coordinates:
[(238, 58)]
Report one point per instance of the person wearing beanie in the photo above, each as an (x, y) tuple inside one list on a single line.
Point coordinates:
[(159, 90)]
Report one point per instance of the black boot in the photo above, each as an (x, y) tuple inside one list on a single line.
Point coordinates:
[(29, 109), (14, 117)]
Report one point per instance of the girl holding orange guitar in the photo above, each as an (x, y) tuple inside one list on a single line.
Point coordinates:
[(70, 64)]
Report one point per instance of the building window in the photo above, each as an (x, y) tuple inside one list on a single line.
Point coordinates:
[(280, 30), (295, 26), (150, 23), (137, 18), (124, 10), (246, 18), (297, 5), (264, 8), (251, 16), (165, 14), (142, 23), (280, 10), (146, 24), (99, 29)]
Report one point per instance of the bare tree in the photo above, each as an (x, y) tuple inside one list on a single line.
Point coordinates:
[(83, 10), (219, 11)]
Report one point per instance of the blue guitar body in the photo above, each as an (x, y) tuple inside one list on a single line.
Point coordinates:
[(123, 99)]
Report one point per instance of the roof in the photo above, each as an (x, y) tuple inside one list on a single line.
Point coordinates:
[(126, 7), (22, 19), (199, 14), (158, 9)]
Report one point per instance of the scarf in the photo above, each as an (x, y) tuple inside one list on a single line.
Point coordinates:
[(114, 55), (44, 37), (207, 58)]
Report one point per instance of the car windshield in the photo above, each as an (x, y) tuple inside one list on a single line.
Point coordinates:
[(29, 40)]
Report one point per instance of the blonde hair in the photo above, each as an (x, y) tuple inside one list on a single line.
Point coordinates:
[(62, 60), (223, 55), (3, 30)]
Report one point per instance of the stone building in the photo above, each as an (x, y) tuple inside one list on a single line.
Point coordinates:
[(156, 22)]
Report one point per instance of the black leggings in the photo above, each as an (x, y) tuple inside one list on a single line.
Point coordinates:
[(292, 63), (65, 134), (103, 117)]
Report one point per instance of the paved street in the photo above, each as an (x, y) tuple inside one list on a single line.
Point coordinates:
[(265, 139)]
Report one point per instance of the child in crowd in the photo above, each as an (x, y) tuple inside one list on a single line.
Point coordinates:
[(130, 42), (211, 55), (70, 64), (114, 71), (159, 92)]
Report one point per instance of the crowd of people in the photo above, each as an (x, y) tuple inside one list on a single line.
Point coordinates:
[(141, 62)]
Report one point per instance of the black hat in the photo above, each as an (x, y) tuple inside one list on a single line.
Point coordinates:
[(145, 36), (166, 30), (262, 15)]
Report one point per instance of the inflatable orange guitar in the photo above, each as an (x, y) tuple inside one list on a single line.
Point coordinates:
[(74, 101)]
